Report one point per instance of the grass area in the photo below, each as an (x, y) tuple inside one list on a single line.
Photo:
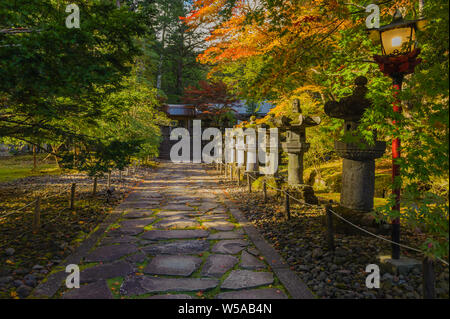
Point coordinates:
[(336, 197), (331, 178), (20, 166)]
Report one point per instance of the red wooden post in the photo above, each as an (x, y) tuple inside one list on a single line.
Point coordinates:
[(396, 154)]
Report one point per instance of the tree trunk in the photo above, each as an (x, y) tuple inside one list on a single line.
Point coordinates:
[(161, 58), (94, 188), (54, 150), (34, 158), (180, 75), (74, 156), (180, 65), (421, 5)]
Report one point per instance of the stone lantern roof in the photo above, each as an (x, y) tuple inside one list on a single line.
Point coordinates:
[(351, 108)]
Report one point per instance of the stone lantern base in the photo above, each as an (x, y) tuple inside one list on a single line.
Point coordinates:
[(358, 174), (302, 192)]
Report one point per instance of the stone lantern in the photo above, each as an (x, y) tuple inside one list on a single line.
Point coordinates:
[(296, 146), (251, 149), (240, 146), (272, 150), (358, 173), (229, 147)]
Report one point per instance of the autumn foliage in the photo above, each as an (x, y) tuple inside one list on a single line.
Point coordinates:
[(210, 98), (277, 50)]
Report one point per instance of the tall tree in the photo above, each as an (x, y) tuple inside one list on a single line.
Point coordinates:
[(177, 47)]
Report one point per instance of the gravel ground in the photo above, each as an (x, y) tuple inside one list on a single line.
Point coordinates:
[(27, 257), (301, 241)]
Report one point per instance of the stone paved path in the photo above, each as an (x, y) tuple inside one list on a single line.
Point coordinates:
[(178, 239)]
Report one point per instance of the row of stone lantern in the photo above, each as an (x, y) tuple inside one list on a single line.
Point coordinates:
[(242, 150), (358, 176)]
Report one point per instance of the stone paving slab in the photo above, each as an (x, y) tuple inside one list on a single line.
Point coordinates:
[(145, 205), (177, 207), (139, 214), (121, 231), (106, 271), (206, 207), (253, 251), (241, 279), (217, 265), (219, 225), (173, 265), (111, 253), (216, 218), (229, 246), (96, 290), (176, 223), (141, 222), (177, 296), (120, 239), (139, 285), (248, 261), (138, 257), (178, 247), (226, 235), (264, 293), (175, 234), (173, 213)]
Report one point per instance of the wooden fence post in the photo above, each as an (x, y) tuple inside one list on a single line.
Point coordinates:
[(37, 215), (265, 191), (429, 279), (238, 176), (72, 195), (330, 229), (249, 183), (287, 207), (94, 189), (109, 179)]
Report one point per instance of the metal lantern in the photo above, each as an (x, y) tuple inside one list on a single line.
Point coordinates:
[(398, 37)]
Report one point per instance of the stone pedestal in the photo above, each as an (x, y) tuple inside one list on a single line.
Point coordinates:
[(400, 266), (358, 174), (230, 153), (240, 149), (272, 155), (358, 184), (302, 192), (251, 147), (295, 163)]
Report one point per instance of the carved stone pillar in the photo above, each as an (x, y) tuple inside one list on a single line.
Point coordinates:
[(296, 146), (358, 172)]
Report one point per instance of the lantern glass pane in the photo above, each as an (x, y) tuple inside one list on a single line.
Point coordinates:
[(395, 41)]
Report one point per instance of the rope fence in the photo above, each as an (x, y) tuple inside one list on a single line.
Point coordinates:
[(36, 224), (343, 219), (3, 215), (69, 188)]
